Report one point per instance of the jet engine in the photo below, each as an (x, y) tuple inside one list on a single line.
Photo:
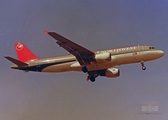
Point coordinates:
[(103, 57), (112, 72)]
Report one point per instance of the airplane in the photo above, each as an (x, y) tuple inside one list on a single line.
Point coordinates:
[(99, 63)]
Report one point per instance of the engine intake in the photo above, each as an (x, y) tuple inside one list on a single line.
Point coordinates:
[(103, 57), (112, 72)]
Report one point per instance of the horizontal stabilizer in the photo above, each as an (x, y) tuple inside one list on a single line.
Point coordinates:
[(17, 62)]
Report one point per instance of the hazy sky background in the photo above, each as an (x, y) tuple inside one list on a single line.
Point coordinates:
[(96, 25)]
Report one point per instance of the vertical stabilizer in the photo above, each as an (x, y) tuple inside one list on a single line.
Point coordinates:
[(23, 53)]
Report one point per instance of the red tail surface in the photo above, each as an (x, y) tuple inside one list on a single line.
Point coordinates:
[(23, 53)]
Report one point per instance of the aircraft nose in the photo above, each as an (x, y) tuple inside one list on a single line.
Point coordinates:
[(160, 53)]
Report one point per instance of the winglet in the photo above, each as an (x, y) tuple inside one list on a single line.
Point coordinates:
[(17, 62), (46, 31)]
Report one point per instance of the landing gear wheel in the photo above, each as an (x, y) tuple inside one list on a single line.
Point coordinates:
[(143, 65), (92, 78), (84, 69), (143, 68)]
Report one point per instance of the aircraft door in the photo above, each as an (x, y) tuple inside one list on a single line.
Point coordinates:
[(140, 48), (141, 52)]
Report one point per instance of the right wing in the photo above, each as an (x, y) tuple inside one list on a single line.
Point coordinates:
[(83, 55)]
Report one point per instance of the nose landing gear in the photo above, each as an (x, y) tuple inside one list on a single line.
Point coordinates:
[(143, 65)]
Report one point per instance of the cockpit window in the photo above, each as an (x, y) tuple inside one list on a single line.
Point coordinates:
[(151, 47)]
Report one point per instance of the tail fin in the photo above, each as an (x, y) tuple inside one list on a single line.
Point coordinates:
[(23, 53)]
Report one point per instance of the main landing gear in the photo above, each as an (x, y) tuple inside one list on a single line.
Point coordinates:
[(143, 65), (84, 69), (91, 78), (91, 75)]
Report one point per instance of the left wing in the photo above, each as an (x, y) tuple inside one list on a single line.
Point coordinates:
[(83, 55)]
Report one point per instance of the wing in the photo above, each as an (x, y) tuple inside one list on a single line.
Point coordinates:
[(83, 55)]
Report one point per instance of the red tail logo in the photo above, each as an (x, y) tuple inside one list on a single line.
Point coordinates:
[(23, 53)]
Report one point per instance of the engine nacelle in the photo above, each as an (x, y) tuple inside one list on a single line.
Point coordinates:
[(103, 57), (112, 72)]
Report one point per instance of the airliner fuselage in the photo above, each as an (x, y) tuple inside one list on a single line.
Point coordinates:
[(118, 56), (99, 63)]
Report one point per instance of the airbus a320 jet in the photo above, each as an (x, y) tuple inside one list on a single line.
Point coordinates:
[(99, 63)]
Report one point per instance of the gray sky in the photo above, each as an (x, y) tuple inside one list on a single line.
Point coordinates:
[(96, 25)]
